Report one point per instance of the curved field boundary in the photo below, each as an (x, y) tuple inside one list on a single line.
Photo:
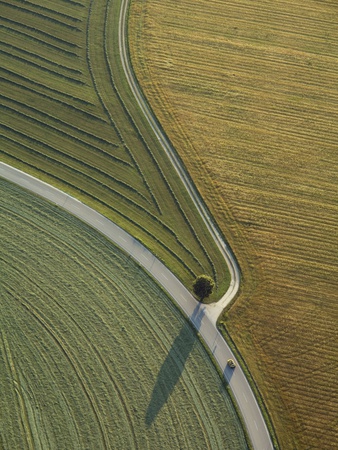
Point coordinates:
[(204, 321), (108, 324), (216, 308), (90, 139), (132, 136)]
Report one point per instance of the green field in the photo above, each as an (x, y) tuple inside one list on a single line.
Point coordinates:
[(92, 353), (247, 92), (67, 117)]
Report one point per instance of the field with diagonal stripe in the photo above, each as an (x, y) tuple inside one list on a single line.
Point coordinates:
[(93, 354), (68, 118), (248, 93)]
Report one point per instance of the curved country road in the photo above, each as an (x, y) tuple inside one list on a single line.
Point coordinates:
[(253, 418), (215, 308), (206, 326)]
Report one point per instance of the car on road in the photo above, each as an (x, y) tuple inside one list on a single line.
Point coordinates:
[(231, 363)]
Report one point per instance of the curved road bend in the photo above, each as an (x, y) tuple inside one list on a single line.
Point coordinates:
[(215, 308), (257, 428), (246, 401)]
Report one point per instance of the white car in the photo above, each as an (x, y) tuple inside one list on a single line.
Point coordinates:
[(231, 363)]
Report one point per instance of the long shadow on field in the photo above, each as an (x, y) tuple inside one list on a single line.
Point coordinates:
[(173, 366)]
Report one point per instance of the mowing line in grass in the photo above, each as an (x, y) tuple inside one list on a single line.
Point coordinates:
[(90, 337)]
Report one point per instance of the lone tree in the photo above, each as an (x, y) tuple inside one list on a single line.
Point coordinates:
[(203, 286)]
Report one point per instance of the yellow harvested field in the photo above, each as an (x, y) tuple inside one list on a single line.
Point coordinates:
[(248, 94)]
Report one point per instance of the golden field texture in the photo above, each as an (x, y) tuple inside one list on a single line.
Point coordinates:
[(248, 94)]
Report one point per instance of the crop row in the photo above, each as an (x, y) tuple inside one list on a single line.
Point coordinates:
[(42, 58), (41, 67), (71, 136), (62, 85), (52, 11), (93, 161), (112, 164), (31, 87), (34, 39), (87, 169), (65, 130), (44, 86), (176, 201), (108, 112), (95, 194), (107, 109), (66, 45), (154, 198), (150, 152), (24, 10), (140, 171), (93, 137)]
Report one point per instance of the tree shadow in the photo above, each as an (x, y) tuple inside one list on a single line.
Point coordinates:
[(173, 366)]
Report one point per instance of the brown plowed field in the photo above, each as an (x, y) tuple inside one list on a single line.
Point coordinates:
[(248, 93)]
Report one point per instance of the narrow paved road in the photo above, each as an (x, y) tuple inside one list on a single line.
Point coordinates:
[(249, 408), (235, 275), (246, 401)]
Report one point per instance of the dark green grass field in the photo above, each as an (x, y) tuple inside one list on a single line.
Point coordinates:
[(93, 355), (67, 117)]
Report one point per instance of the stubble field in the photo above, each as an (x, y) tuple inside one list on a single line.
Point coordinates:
[(93, 355), (248, 94)]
